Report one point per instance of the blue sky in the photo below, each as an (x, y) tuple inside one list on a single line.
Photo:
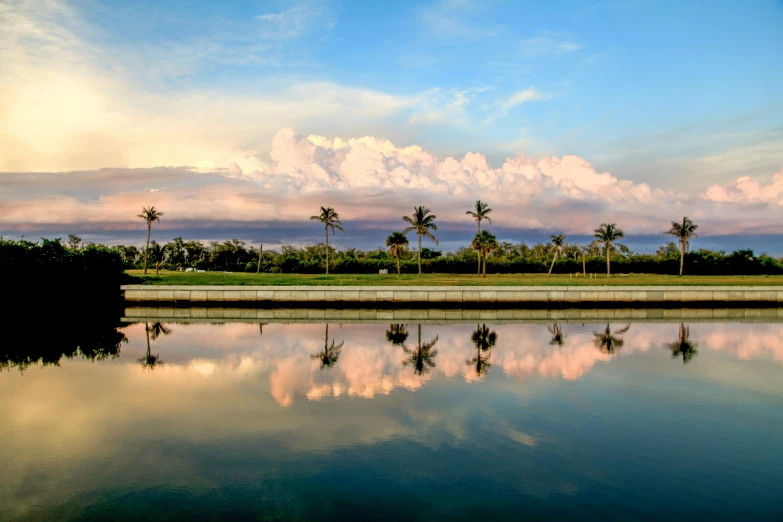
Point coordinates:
[(616, 78), (683, 98)]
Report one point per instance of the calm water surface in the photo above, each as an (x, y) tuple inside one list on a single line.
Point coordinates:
[(402, 422)]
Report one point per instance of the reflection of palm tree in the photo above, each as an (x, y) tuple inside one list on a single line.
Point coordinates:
[(683, 347), (484, 340), (330, 353), (558, 337), (397, 334), (157, 329), (421, 357), (606, 340)]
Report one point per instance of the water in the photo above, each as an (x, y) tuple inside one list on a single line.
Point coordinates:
[(643, 421)]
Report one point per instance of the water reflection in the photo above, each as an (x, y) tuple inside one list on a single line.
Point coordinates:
[(558, 338), (369, 355), (149, 361), (683, 347), (397, 334), (32, 340), (328, 356), (422, 357), (607, 341), (484, 340), (487, 421)]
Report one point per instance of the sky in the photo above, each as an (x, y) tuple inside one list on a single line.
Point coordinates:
[(241, 119)]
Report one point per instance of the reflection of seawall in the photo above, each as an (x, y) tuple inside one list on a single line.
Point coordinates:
[(446, 316), (453, 295)]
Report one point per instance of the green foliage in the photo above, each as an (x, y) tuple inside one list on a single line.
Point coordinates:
[(50, 287), (235, 256), (30, 267)]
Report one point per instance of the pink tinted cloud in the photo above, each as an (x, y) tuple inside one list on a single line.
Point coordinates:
[(373, 179), (748, 190)]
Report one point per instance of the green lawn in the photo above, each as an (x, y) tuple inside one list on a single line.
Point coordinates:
[(238, 278)]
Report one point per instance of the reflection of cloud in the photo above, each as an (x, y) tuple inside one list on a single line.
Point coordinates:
[(748, 343), (362, 371), (521, 437), (368, 366), (225, 384)]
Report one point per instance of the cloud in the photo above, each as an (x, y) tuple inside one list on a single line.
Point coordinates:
[(746, 190), (69, 103), (547, 46), (452, 19), (527, 95), (372, 180), (294, 22)]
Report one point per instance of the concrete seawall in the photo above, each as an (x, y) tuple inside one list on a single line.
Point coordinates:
[(446, 316), (452, 295)]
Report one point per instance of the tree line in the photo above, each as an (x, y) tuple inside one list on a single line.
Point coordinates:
[(558, 256), (605, 253)]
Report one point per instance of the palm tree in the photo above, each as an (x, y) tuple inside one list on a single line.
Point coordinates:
[(484, 340), (330, 353), (608, 233), (421, 357), (397, 243), (421, 222), (484, 243), (397, 334), (260, 254), (607, 342), (480, 211), (557, 247), (330, 219), (157, 254), (149, 215), (149, 361), (683, 347), (683, 232), (558, 337), (583, 251)]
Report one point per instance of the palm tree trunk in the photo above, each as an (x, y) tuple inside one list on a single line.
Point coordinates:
[(399, 270), (419, 258), (260, 251), (478, 251), (485, 264), (608, 271), (147, 248), (584, 265), (552, 265), (327, 250), (682, 256), (147, 329)]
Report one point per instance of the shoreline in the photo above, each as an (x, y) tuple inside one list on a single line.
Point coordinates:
[(446, 316), (453, 296)]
